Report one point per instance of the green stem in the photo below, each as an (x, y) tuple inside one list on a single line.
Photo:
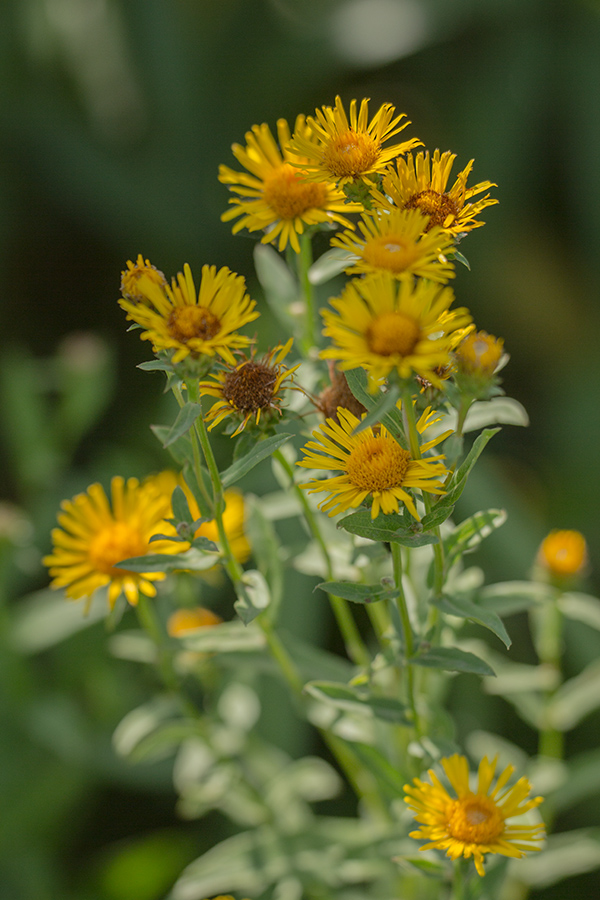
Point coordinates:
[(407, 635), (304, 261), (193, 386), (458, 882), (353, 641), (549, 640)]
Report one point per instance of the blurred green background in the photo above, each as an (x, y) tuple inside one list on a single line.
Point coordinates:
[(115, 115)]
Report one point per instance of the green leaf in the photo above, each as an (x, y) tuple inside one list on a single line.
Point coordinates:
[(358, 593), (428, 867), (253, 595), (567, 854), (451, 659), (331, 263), (181, 510), (466, 609), (581, 782), (192, 560), (467, 536), (261, 451), (455, 254), (388, 776), (385, 402), (354, 699), (189, 475), (155, 365), (581, 607), (227, 637), (186, 417), (391, 528), (576, 698), (180, 450), (497, 411), (509, 597), (278, 283), (357, 382)]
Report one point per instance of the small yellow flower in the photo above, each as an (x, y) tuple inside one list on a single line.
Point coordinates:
[(473, 823), (178, 319), (95, 534), (386, 325), (372, 463), (563, 552), (344, 148), (398, 242), (186, 620), (421, 183), (132, 274), (479, 353), (273, 195), (250, 388)]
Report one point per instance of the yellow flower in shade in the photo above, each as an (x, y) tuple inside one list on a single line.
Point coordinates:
[(248, 389), (479, 353), (386, 325), (421, 182), (96, 533), (373, 465), (178, 319), (341, 148), (184, 621), (234, 514), (273, 195), (563, 553), (398, 242), (473, 823), (132, 274)]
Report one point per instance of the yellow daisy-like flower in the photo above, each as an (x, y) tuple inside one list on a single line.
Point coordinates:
[(178, 319), (275, 196), (563, 552), (234, 514), (386, 325), (187, 620), (96, 533), (344, 148), (479, 353), (132, 274), (373, 464), (473, 823), (398, 242), (249, 388), (421, 183)]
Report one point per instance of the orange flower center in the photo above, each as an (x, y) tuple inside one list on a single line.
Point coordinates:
[(441, 208), (392, 333), (351, 154), (187, 322), (391, 251), (250, 387), (289, 195), (113, 543), (480, 352), (377, 464), (474, 819), (564, 552)]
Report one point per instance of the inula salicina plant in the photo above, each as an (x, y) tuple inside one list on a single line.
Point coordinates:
[(361, 409)]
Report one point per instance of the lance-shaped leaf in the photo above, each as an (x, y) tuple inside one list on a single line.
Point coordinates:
[(353, 699), (466, 609), (180, 450), (253, 595), (330, 264), (384, 403), (192, 560), (186, 417), (246, 463), (451, 659), (469, 534), (155, 365), (358, 593), (391, 528), (576, 698), (509, 597), (391, 418)]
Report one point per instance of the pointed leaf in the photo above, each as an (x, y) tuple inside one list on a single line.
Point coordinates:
[(358, 593), (186, 417), (497, 411), (192, 560), (253, 595), (246, 463), (581, 607), (155, 365), (391, 528), (466, 609), (180, 450), (357, 382), (385, 402), (509, 597), (469, 534), (353, 699), (181, 510), (451, 659), (331, 263)]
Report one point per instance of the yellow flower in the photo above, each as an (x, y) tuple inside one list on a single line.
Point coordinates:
[(95, 534), (249, 388), (398, 242), (473, 824), (275, 196), (186, 620), (479, 353), (563, 552), (234, 514), (344, 148), (421, 183), (132, 274), (372, 463), (385, 325), (190, 324)]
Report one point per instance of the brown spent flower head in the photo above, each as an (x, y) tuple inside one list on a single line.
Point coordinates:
[(563, 553), (338, 394), (132, 274)]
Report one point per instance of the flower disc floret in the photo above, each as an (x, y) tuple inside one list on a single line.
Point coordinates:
[(185, 323), (273, 195), (421, 182), (473, 823), (398, 242), (96, 534), (386, 325), (372, 464), (342, 148)]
